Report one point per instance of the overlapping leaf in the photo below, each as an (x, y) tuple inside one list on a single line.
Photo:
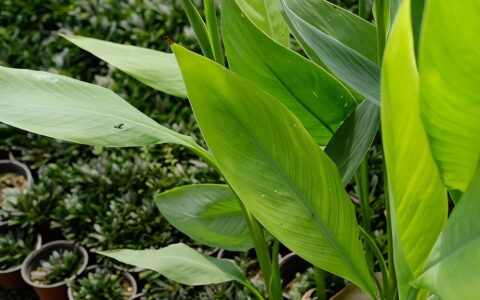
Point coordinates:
[(319, 100), (449, 85), (208, 213), (340, 40), (266, 15), (156, 69), (276, 168), (417, 195), (454, 264)]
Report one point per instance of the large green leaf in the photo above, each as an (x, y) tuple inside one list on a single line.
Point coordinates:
[(208, 213), (351, 142), (453, 269), (449, 85), (266, 15), (72, 110), (319, 100), (342, 41), (182, 264), (156, 69), (417, 195), (275, 167)]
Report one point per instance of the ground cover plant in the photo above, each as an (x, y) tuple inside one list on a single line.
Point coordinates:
[(288, 133), (57, 267), (15, 245)]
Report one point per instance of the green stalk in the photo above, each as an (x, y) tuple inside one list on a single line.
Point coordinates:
[(255, 292), (319, 277), (361, 178), (275, 286), (199, 27), (381, 261), (361, 9), (212, 27), (381, 29), (391, 265)]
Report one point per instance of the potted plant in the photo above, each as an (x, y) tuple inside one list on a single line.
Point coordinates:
[(15, 245), (102, 283), (48, 268), (15, 179)]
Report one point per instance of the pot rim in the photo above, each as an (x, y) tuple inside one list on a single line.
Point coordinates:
[(26, 171), (33, 256), (125, 274), (38, 244)]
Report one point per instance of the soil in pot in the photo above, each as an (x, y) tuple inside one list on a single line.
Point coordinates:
[(11, 183), (48, 268), (15, 245), (102, 283)]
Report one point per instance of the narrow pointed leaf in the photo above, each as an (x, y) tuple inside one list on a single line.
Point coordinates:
[(342, 41), (208, 213), (199, 27), (319, 100), (275, 167), (416, 192), (351, 141), (72, 110), (266, 15), (182, 264), (450, 80), (454, 264), (156, 69)]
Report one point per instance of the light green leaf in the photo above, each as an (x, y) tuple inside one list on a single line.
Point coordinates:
[(266, 15), (156, 69), (182, 264), (454, 264), (208, 213), (278, 171), (319, 100), (449, 87), (342, 41), (418, 198), (351, 142), (72, 110)]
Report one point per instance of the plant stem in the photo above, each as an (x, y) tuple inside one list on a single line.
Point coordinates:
[(361, 178), (361, 9), (275, 286), (255, 292), (391, 266), (381, 261), (319, 277), (381, 32), (214, 34)]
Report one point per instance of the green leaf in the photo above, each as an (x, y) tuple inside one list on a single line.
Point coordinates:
[(72, 110), (208, 213), (449, 87), (182, 264), (417, 196), (266, 15), (342, 41), (319, 100), (156, 69), (278, 171), (454, 263), (353, 139), (199, 27)]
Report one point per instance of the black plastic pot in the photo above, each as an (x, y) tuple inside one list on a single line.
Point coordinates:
[(12, 278), (126, 275), (16, 167), (56, 291), (290, 265)]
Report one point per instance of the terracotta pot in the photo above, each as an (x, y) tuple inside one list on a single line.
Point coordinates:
[(126, 275), (56, 291), (12, 278)]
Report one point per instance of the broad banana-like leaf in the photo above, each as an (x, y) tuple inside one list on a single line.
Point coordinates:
[(266, 15), (156, 69), (208, 213), (278, 171), (417, 195), (319, 100), (342, 41), (76, 111), (182, 264), (351, 141), (454, 264), (449, 85)]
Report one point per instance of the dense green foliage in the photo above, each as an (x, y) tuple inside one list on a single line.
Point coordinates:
[(60, 265), (15, 245)]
